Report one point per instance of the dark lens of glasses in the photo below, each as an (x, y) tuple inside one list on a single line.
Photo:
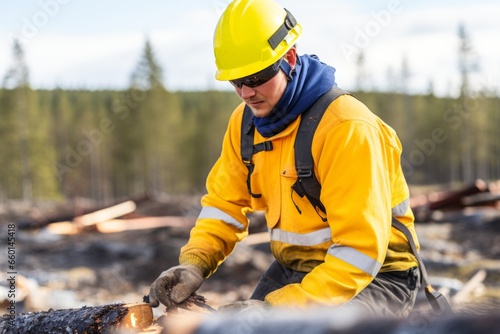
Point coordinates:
[(258, 78)]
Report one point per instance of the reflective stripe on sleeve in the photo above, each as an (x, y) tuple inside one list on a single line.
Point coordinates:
[(400, 209), (211, 212), (357, 259), (305, 239)]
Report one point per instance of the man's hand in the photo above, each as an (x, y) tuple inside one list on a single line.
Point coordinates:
[(245, 306), (175, 285)]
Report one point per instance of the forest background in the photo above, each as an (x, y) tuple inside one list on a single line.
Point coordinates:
[(112, 144)]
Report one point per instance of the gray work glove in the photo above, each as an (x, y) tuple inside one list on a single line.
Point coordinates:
[(245, 306), (175, 285)]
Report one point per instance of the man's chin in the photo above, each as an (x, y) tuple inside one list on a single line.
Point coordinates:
[(259, 111)]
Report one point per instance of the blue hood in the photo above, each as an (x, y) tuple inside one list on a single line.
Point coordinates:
[(307, 82)]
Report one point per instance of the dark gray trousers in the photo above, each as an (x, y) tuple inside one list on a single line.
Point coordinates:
[(390, 294)]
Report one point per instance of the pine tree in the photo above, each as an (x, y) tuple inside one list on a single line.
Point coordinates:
[(148, 73), (467, 63), (149, 132), (17, 80), (27, 159)]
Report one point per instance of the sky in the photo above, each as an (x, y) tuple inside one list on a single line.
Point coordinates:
[(95, 44)]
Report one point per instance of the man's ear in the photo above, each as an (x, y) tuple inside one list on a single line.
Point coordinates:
[(291, 57)]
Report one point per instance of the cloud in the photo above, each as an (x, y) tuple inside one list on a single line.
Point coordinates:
[(69, 59)]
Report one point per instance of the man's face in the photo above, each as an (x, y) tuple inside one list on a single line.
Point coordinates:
[(263, 98)]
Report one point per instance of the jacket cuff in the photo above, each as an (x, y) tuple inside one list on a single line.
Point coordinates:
[(191, 259)]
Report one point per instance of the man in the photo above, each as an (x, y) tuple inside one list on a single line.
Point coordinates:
[(347, 255)]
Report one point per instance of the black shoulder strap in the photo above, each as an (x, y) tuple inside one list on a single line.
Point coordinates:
[(307, 184), (248, 149), (438, 302)]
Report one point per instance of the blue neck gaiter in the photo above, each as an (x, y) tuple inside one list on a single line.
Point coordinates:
[(306, 83)]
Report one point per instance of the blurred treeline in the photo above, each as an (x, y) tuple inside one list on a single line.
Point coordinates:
[(107, 145)]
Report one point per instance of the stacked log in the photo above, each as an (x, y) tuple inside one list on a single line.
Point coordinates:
[(476, 196)]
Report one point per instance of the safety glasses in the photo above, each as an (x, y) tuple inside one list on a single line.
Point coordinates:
[(258, 78)]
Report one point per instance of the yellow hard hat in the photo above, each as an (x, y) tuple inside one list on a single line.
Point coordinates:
[(252, 35)]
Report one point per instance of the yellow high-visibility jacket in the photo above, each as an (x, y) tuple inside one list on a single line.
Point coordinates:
[(357, 162)]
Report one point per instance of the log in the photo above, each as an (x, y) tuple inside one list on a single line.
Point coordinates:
[(80, 223), (424, 206), (482, 199), (106, 214), (64, 228), (69, 214), (120, 225), (115, 318), (468, 289), (453, 200)]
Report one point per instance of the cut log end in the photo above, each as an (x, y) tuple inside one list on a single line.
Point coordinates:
[(138, 316)]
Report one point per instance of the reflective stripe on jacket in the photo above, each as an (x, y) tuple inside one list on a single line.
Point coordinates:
[(357, 162)]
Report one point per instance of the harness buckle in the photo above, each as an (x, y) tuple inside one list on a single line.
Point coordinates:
[(304, 172), (268, 146)]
